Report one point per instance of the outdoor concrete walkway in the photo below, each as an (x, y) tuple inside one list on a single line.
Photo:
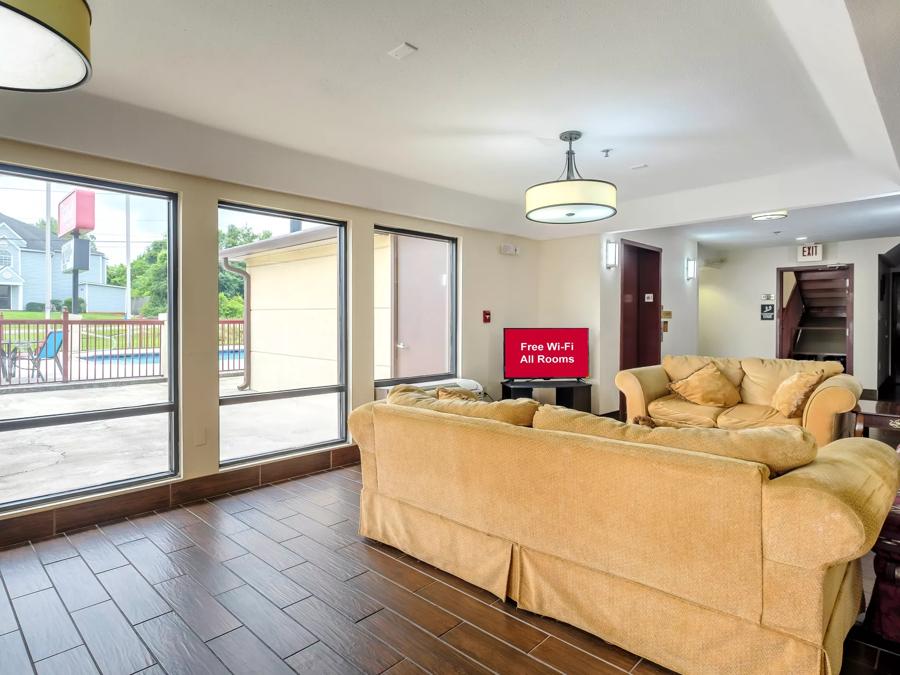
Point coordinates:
[(49, 460)]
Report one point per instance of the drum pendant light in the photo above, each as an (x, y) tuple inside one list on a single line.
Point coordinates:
[(45, 45), (573, 199)]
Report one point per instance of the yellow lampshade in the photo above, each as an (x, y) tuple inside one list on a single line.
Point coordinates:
[(45, 45), (570, 201)]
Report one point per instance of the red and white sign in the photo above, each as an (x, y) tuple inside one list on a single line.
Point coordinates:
[(76, 212), (534, 353)]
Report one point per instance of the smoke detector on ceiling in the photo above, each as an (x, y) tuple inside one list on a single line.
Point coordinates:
[(403, 50)]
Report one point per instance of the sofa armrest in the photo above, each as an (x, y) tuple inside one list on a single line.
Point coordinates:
[(362, 427), (642, 386), (836, 395), (832, 510)]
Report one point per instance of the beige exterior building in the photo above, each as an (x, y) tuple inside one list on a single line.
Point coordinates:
[(293, 309)]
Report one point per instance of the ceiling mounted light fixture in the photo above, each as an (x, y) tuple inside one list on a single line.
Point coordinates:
[(44, 46), (573, 199), (770, 215)]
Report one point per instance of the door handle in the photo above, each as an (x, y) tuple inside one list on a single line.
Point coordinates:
[(401, 345)]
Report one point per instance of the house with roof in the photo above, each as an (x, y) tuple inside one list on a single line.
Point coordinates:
[(23, 278)]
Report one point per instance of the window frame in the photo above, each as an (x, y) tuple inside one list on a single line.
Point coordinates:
[(172, 407), (453, 282), (341, 388)]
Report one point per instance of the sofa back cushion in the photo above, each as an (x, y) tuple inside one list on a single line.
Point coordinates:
[(518, 411), (707, 386), (680, 367), (779, 448), (762, 376)]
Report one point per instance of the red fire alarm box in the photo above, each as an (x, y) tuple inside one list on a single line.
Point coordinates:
[(485, 316)]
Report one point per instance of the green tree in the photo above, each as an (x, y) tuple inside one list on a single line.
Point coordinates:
[(231, 308), (231, 284), (150, 278), (115, 274), (54, 225)]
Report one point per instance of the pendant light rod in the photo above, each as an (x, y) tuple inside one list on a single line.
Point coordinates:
[(569, 137)]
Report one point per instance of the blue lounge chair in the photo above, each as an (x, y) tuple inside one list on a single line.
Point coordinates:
[(31, 359)]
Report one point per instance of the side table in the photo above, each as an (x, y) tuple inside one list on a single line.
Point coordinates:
[(876, 415)]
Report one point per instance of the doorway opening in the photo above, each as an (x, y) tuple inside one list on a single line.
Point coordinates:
[(815, 313), (640, 338)]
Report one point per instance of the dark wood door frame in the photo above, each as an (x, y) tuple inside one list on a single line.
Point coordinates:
[(779, 273), (657, 291)]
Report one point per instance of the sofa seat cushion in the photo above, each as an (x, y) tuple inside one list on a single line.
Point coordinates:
[(781, 448), (518, 411), (673, 410), (749, 416)]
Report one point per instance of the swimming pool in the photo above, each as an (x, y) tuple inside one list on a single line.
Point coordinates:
[(229, 355)]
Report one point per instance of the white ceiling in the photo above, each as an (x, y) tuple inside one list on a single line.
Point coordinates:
[(703, 92), (864, 219), (734, 105)]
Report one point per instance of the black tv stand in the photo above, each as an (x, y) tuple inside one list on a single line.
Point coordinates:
[(575, 394)]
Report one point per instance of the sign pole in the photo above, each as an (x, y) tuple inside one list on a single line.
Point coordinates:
[(48, 256), (75, 281), (127, 256)]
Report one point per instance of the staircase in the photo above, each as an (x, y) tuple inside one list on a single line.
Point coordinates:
[(816, 321)]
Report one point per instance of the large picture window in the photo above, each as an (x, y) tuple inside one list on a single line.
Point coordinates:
[(282, 341), (87, 326), (415, 306)]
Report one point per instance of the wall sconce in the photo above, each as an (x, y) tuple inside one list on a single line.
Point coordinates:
[(612, 254), (690, 269)]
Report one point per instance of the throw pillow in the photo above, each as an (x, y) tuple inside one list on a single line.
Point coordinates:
[(791, 396), (455, 392), (780, 448), (707, 386), (518, 411)]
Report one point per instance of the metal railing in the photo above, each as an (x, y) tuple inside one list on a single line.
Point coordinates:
[(231, 345), (38, 351)]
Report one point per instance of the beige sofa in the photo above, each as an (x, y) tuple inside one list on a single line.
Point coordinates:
[(647, 393), (700, 562)]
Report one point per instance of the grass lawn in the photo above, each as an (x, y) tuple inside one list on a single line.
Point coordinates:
[(56, 316)]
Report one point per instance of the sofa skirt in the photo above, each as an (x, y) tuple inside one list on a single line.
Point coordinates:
[(679, 635)]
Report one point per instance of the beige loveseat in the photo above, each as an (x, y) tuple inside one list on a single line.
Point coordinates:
[(700, 562), (647, 393)]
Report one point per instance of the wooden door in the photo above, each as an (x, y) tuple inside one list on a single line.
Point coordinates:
[(640, 338)]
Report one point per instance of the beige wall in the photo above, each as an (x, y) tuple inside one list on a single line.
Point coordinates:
[(576, 289), (506, 285), (731, 292)]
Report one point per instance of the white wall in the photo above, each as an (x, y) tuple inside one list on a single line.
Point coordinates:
[(576, 289), (730, 299)]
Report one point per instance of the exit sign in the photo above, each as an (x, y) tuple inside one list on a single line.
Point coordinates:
[(809, 253)]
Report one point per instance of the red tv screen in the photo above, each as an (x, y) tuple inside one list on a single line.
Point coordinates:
[(538, 353)]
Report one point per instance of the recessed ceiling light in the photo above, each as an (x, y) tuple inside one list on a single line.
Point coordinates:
[(770, 215), (801, 238), (403, 50)]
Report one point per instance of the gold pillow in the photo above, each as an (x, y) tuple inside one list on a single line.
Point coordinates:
[(791, 396), (518, 411), (455, 392), (781, 448), (707, 386)]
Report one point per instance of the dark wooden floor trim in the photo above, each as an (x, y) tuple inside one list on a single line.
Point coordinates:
[(53, 521)]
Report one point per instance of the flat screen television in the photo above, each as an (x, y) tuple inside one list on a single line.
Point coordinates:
[(545, 353)]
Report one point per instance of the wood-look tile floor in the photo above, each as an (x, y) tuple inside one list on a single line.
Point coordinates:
[(273, 580)]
